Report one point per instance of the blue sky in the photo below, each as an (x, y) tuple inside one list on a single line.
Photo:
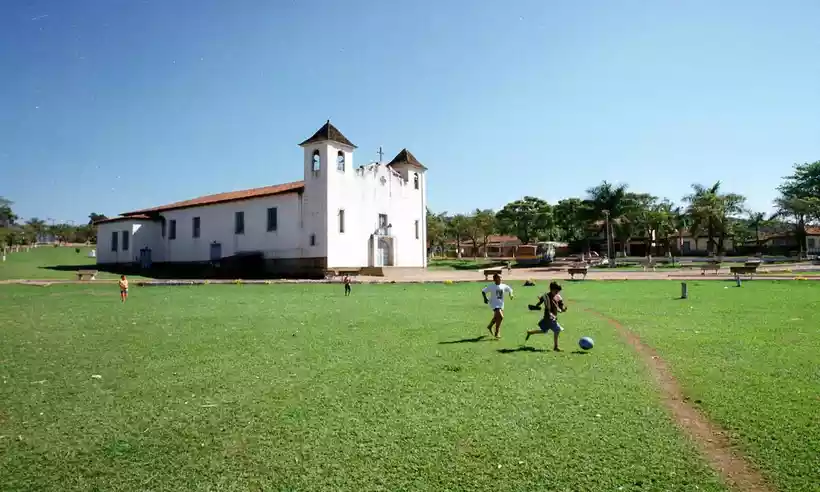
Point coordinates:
[(113, 105)]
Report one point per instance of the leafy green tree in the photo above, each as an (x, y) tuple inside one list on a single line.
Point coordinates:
[(457, 230), (481, 224), (527, 219), (569, 216), (742, 233), (7, 215), (436, 230), (799, 200), (95, 217)]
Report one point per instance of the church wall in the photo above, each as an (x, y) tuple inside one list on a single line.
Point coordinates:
[(217, 226), (363, 194), (140, 235)]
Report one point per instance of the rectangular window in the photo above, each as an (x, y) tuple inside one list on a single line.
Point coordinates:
[(341, 221), (163, 228), (313, 239), (125, 240), (810, 243), (383, 224), (273, 219), (417, 229), (239, 223), (172, 229), (114, 240), (195, 222)]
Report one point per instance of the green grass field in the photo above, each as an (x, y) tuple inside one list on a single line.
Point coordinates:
[(35, 264), (294, 387)]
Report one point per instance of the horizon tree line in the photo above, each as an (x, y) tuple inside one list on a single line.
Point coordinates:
[(707, 211)]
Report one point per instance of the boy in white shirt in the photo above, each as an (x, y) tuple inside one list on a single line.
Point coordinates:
[(497, 290)]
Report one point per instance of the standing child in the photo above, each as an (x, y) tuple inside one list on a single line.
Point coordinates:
[(347, 285), (123, 288), (554, 305), (496, 302)]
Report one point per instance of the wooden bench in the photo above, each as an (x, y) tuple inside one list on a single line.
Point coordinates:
[(713, 266), (577, 270), (737, 271), (86, 275), (491, 271)]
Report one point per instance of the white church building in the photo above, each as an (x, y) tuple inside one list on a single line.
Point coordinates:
[(338, 217)]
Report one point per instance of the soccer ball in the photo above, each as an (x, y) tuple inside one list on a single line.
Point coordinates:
[(586, 343)]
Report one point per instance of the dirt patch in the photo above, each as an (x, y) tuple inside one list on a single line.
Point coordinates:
[(724, 458)]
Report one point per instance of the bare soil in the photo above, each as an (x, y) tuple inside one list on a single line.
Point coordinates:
[(710, 439)]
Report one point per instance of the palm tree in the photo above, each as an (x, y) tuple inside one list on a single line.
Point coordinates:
[(37, 227), (755, 222), (608, 201), (710, 211)]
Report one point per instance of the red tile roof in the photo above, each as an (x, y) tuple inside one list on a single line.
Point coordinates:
[(231, 196), (120, 219), (491, 241)]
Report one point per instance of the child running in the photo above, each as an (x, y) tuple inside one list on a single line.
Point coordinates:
[(554, 305), (496, 302), (123, 288), (347, 285)]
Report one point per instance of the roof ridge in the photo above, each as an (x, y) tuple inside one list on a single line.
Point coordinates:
[(223, 197)]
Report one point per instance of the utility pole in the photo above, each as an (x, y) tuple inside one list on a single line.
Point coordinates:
[(608, 248)]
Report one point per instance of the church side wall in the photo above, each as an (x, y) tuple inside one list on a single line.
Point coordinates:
[(217, 225)]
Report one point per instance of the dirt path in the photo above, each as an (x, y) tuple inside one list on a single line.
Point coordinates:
[(710, 439)]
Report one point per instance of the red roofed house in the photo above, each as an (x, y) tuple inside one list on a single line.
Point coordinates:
[(339, 216)]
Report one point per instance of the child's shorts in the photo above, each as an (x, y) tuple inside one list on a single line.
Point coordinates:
[(547, 324)]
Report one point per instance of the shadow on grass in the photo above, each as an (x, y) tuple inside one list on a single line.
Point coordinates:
[(522, 348), (193, 271), (466, 264), (482, 338), (579, 352)]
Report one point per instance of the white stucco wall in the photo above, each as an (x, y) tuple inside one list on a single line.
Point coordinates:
[(363, 194), (141, 234), (217, 226)]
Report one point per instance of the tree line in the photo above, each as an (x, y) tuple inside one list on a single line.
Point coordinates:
[(17, 232), (707, 211)]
